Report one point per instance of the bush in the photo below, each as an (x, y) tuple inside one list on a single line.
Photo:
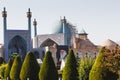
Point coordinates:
[(70, 71), (99, 72), (48, 70), (30, 68), (8, 68), (16, 67), (1, 60), (85, 67), (2, 70)]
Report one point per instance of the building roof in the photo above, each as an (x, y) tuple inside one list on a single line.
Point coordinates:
[(83, 32), (109, 43)]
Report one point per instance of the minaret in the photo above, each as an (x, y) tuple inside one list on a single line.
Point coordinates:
[(4, 15), (29, 15), (64, 30), (35, 27)]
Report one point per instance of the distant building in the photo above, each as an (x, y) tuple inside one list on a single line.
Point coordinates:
[(16, 41), (64, 36), (109, 44), (83, 46)]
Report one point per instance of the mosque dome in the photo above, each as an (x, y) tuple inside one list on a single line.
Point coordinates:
[(57, 28), (66, 28), (109, 44)]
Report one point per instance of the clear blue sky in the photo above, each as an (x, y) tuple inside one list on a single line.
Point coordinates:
[(99, 18)]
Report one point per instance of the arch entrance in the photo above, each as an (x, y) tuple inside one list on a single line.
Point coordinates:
[(17, 45)]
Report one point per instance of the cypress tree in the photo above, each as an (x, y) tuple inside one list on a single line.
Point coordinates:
[(15, 70), (85, 67), (1, 60), (98, 72), (8, 68), (30, 68), (48, 70), (2, 71), (70, 71)]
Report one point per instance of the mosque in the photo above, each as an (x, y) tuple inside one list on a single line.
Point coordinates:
[(64, 37)]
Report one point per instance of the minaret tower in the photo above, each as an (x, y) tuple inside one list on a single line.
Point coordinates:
[(64, 30), (4, 15), (29, 15), (35, 27)]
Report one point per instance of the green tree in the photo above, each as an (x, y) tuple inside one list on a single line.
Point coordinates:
[(112, 59), (99, 71), (2, 70), (8, 68), (48, 70), (30, 68), (1, 60), (85, 67), (15, 70), (70, 71)]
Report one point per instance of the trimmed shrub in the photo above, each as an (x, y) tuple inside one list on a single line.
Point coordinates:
[(85, 67), (70, 71), (99, 71), (1, 60), (48, 70), (30, 68), (8, 68), (16, 67), (2, 70)]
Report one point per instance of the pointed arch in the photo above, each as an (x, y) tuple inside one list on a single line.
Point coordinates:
[(17, 45), (48, 42)]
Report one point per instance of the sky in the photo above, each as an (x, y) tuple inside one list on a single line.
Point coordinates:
[(99, 18)]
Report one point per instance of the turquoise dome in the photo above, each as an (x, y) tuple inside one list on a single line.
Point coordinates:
[(58, 28), (63, 27)]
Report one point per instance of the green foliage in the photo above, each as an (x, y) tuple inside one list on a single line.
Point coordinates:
[(99, 71), (30, 68), (8, 68), (70, 71), (112, 59), (1, 60), (48, 70), (85, 67), (2, 70), (16, 67)]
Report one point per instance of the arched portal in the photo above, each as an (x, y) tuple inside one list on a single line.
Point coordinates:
[(48, 42), (17, 45)]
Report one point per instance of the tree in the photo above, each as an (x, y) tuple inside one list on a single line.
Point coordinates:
[(16, 67), (8, 68), (30, 68), (112, 59), (99, 71), (48, 70), (1, 60), (85, 67), (70, 71), (2, 70)]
